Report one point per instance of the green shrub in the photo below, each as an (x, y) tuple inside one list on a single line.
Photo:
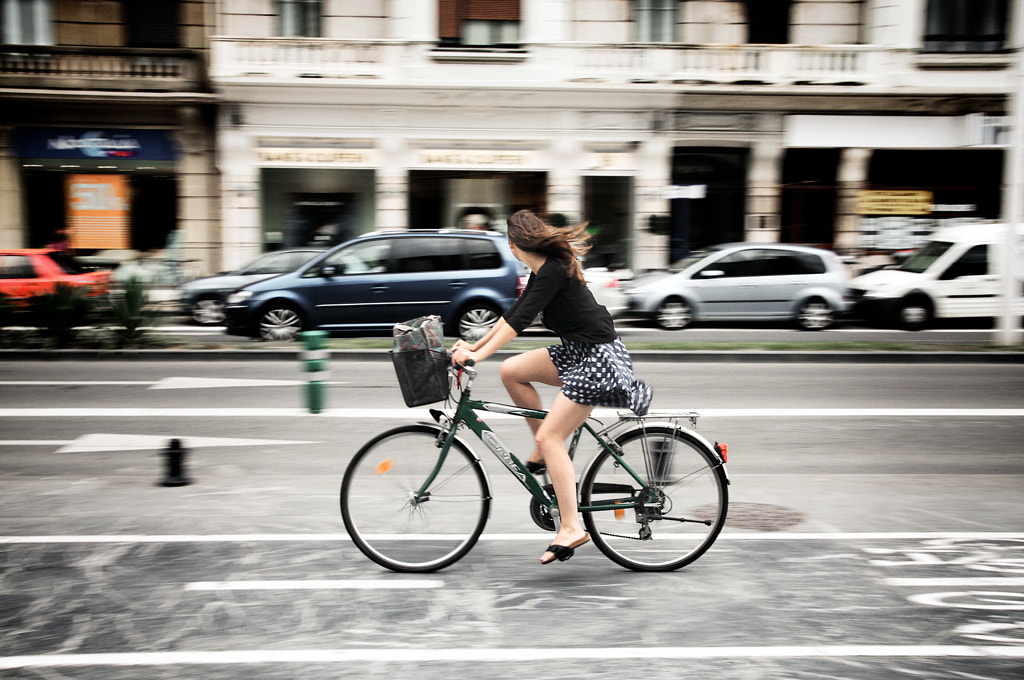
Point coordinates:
[(130, 314), (59, 315)]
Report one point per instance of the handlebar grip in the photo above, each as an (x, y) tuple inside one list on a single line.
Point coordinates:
[(469, 363)]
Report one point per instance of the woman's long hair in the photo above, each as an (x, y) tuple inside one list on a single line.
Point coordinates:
[(565, 244)]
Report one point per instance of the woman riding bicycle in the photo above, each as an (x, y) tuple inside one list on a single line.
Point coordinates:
[(591, 366)]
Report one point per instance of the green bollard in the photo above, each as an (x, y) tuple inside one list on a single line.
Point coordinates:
[(315, 363)]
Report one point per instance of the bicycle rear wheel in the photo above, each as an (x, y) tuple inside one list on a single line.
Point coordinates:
[(383, 516), (678, 524)]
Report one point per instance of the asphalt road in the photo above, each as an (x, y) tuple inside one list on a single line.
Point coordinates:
[(875, 532)]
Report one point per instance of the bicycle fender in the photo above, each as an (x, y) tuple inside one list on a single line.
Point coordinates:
[(693, 434)]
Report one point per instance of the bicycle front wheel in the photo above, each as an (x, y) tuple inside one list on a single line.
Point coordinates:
[(676, 521), (408, 510)]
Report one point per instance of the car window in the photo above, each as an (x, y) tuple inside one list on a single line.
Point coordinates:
[(67, 264), (925, 257), (689, 260), (972, 263), (365, 257), (480, 253), (16, 267), (791, 263), (739, 263), (425, 255), (276, 263)]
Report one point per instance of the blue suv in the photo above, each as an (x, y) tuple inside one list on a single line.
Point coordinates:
[(468, 278)]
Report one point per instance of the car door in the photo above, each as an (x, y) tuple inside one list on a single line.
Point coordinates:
[(968, 287), (427, 276), (349, 288), (734, 285)]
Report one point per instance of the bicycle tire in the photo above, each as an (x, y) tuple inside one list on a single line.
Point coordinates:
[(675, 529), (377, 492)]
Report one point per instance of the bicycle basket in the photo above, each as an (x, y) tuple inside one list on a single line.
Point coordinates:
[(421, 360)]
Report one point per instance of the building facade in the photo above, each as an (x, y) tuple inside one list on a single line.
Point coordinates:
[(107, 129), (858, 125)]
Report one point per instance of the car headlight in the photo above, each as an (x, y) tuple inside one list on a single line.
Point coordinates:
[(239, 296)]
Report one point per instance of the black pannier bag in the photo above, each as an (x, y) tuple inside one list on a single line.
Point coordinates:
[(421, 360)]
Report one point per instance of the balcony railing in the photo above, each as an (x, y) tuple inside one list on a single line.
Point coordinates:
[(558, 63), (100, 68)]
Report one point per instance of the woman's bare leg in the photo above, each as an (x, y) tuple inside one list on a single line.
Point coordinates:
[(562, 420), (517, 374)]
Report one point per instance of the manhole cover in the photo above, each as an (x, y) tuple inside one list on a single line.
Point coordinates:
[(762, 517)]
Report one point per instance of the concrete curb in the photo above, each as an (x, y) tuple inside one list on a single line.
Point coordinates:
[(745, 356)]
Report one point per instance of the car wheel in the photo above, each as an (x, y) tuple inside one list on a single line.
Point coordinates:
[(475, 321), (815, 315), (208, 311), (914, 313), (280, 323), (674, 314)]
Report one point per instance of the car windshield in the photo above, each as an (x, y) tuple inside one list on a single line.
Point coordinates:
[(66, 263), (680, 265), (925, 257)]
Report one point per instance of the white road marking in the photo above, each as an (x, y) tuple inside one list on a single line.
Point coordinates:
[(142, 442), (406, 413), (505, 655), (412, 584), (724, 536), (955, 582)]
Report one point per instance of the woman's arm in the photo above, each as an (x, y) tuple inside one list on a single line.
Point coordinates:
[(499, 336)]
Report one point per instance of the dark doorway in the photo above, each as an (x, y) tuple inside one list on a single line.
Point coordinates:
[(718, 217), (809, 196)]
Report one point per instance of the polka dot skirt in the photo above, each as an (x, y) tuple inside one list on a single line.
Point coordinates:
[(600, 375)]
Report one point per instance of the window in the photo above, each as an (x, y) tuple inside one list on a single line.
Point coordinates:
[(655, 20), (425, 255), (16, 267), (478, 23), (972, 263), (965, 26), (154, 23), (481, 253), (768, 22), (27, 22), (299, 18), (368, 257)]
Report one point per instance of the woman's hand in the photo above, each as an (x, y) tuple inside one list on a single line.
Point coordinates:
[(460, 355)]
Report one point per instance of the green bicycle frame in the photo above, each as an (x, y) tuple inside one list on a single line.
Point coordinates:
[(466, 413)]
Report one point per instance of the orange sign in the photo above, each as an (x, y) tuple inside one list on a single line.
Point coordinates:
[(98, 213)]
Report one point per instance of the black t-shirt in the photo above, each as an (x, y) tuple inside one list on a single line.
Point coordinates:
[(569, 307)]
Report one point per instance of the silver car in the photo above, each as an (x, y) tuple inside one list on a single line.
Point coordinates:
[(744, 281), (203, 299)]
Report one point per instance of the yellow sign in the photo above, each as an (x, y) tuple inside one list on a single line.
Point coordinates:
[(886, 202), (479, 158), (98, 211), (310, 156)]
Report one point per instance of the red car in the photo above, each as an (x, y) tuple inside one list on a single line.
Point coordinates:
[(25, 273)]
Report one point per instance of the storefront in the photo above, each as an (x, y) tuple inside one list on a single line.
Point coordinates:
[(319, 191), (100, 190)]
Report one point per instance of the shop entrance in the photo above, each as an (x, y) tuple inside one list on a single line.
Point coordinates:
[(441, 199), (607, 207), (718, 217)]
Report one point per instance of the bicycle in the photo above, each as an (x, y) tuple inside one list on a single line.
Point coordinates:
[(654, 497)]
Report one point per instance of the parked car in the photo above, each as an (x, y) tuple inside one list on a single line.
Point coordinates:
[(203, 298), (468, 278), (744, 281), (955, 274), (25, 273), (607, 286)]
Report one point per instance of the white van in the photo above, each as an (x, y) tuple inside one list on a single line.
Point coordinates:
[(955, 274)]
